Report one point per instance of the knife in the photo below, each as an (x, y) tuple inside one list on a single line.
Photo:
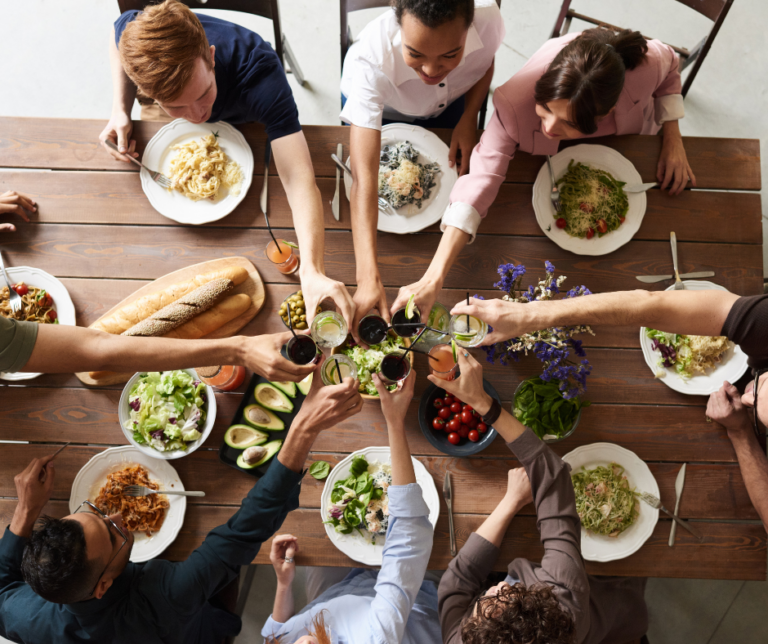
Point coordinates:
[(679, 482), (335, 202), (652, 279), (639, 187), (448, 501), (44, 473), (263, 197)]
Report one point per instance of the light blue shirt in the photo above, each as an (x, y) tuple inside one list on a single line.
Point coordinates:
[(388, 606)]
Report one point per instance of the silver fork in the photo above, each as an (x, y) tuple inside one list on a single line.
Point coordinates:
[(679, 286), (385, 206), (155, 176), (141, 490), (555, 194), (13, 296), (654, 502)]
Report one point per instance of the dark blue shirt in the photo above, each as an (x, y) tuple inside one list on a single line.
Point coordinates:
[(250, 80), (158, 601)]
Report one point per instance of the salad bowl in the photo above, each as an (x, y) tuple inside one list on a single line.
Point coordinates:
[(124, 415)]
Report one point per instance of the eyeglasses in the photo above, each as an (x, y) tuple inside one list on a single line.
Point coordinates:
[(755, 419), (90, 507)]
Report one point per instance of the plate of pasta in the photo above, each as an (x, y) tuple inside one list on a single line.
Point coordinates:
[(45, 301), (155, 520), (210, 166), (597, 216)]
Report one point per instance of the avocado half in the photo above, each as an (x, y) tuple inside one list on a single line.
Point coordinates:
[(243, 437), (272, 448), (288, 388), (262, 418), (270, 397), (306, 384)]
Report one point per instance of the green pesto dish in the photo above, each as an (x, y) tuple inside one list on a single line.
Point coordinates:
[(604, 500)]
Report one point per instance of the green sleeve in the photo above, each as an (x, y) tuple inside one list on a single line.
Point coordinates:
[(17, 339)]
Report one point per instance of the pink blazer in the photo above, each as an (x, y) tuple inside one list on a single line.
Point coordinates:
[(515, 124)]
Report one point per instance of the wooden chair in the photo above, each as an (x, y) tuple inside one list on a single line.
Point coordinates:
[(265, 8), (715, 10), (348, 6)]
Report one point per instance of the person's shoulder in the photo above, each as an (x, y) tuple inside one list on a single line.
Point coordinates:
[(489, 23), (122, 22), (374, 43)]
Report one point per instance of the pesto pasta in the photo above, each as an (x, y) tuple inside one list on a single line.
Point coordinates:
[(402, 179), (604, 500)]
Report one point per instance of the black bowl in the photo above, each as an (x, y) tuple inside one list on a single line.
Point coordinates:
[(439, 439)]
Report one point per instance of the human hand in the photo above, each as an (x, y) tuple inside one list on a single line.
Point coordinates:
[(119, 130), (12, 202), (394, 404), (519, 493), (33, 493), (673, 169), (316, 287), (463, 141), (369, 295), (725, 408), (506, 318), (261, 354), (284, 548), (426, 291), (468, 387)]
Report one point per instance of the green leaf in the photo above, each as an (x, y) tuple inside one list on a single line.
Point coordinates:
[(319, 470), (359, 465)]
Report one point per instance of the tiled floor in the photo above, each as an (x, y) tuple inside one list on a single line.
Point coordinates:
[(60, 68)]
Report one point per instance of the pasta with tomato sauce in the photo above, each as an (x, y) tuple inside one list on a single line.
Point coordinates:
[(37, 304)]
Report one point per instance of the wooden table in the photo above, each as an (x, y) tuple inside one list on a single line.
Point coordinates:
[(96, 230)]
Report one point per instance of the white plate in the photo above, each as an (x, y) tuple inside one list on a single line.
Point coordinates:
[(123, 414), (732, 366), (61, 302), (596, 547), (93, 475), (602, 158), (410, 219), (173, 204), (353, 545)]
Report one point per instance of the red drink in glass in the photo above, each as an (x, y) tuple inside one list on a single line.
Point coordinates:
[(394, 368), (404, 327), (282, 256), (301, 349), (373, 329)]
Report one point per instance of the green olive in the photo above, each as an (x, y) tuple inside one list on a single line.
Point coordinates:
[(299, 293), (302, 317), (301, 325)]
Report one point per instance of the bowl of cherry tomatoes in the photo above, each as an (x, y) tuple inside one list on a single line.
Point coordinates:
[(451, 425)]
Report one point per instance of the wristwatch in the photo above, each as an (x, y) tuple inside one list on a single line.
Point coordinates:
[(492, 415)]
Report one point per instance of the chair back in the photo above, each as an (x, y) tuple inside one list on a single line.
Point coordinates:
[(709, 8)]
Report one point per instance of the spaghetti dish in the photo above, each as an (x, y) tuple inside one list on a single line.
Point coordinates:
[(604, 500), (592, 202), (140, 513), (402, 179), (37, 304), (201, 169), (688, 354)]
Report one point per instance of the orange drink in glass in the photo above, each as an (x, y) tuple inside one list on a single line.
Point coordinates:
[(224, 377), (282, 256), (441, 362)]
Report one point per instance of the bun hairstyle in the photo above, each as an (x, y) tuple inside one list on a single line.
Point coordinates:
[(589, 73)]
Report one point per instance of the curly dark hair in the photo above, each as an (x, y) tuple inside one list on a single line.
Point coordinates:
[(55, 562), (433, 13), (519, 615)]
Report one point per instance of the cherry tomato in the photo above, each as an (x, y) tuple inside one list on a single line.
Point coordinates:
[(464, 431), (52, 315), (602, 227), (438, 423), (44, 299), (454, 425), (590, 233), (560, 222), (438, 403), (474, 435), (444, 413), (21, 288), (482, 428), (473, 423), (585, 207), (466, 417), (622, 219), (454, 438), (468, 408), (456, 407)]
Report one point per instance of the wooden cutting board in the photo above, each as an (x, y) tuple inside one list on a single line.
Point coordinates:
[(253, 286)]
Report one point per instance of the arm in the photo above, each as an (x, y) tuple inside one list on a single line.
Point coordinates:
[(688, 312), (294, 165), (464, 137), (284, 547), (12, 202)]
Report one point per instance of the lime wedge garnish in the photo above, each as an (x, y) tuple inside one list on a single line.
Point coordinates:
[(410, 306), (453, 348), (291, 244), (465, 337)]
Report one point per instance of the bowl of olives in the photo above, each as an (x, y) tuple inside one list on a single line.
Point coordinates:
[(298, 311)]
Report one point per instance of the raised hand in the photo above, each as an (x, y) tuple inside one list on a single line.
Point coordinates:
[(33, 491), (262, 355), (506, 318), (426, 291), (468, 387), (369, 295), (725, 408), (284, 548), (316, 287), (394, 404), (119, 130)]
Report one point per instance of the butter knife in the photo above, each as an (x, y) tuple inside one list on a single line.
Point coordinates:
[(679, 482), (639, 187), (447, 495), (264, 194), (652, 279), (335, 202)]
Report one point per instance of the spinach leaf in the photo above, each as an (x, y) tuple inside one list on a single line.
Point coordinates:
[(320, 469), (359, 465)]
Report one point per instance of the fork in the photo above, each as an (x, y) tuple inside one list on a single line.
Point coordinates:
[(679, 286), (555, 194), (140, 490), (13, 296), (385, 206), (654, 502), (155, 176)]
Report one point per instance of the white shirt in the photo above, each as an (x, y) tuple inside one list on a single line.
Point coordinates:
[(378, 84)]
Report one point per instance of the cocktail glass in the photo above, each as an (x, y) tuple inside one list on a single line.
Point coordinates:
[(372, 329), (329, 329), (467, 330), (282, 256), (443, 365), (394, 368), (439, 318), (347, 368), (301, 349), (404, 327)]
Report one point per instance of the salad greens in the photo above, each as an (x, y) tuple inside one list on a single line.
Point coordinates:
[(674, 350), (540, 405), (369, 360), (320, 469), (604, 500), (167, 410)]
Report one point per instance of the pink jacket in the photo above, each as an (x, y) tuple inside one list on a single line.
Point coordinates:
[(651, 95)]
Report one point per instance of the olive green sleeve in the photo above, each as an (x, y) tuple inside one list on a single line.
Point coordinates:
[(17, 339)]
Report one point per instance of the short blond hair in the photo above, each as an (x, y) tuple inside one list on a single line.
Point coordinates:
[(159, 49)]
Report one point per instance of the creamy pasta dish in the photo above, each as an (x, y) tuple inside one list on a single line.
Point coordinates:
[(201, 169)]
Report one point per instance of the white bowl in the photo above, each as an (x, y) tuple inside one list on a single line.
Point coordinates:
[(124, 415)]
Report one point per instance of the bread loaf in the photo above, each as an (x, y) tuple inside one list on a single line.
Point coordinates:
[(130, 314)]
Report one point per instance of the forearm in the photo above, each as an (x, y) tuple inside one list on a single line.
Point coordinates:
[(506, 424), (22, 522), (754, 469), (295, 450), (473, 99), (283, 608), (402, 465), (123, 89), (496, 525), (671, 130), (365, 144), (451, 244)]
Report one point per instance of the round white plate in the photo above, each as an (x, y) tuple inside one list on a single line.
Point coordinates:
[(596, 547), (93, 475), (123, 414), (61, 302), (602, 158), (410, 219), (173, 204), (353, 545), (732, 366)]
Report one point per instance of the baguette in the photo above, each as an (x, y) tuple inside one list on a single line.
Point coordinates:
[(127, 316), (182, 310)]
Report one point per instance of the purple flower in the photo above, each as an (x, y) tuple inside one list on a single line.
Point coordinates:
[(549, 266)]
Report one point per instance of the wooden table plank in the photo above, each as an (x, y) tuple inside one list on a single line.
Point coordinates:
[(116, 198)]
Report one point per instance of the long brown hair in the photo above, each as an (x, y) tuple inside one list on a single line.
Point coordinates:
[(318, 631), (589, 73)]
